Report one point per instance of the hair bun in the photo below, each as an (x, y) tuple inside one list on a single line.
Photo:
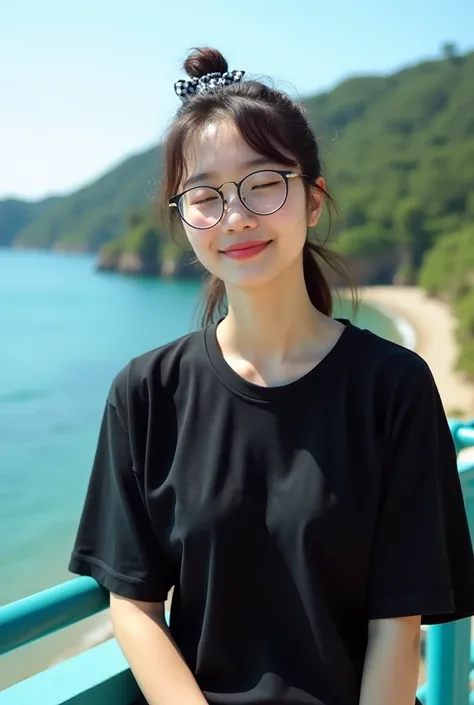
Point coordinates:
[(204, 60)]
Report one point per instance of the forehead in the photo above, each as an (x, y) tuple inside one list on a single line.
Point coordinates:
[(218, 147)]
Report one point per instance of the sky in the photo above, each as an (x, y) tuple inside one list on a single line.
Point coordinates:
[(85, 84)]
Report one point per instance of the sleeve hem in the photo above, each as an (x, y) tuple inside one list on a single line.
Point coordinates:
[(133, 588), (432, 603)]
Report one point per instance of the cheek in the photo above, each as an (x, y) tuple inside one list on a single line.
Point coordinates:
[(201, 240), (290, 223)]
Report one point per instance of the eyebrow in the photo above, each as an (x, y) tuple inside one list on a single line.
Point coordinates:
[(196, 178)]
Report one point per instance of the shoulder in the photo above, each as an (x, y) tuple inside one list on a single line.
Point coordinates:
[(398, 379), (398, 386), (157, 372), (383, 359)]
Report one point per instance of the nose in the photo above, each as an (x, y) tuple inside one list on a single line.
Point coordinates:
[(236, 216)]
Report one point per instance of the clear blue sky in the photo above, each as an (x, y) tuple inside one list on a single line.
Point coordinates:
[(85, 83)]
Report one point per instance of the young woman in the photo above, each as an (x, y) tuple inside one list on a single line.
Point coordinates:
[(290, 474)]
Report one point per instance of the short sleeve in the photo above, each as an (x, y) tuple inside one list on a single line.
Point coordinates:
[(115, 542), (422, 560)]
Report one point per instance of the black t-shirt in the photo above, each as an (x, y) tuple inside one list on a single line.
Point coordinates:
[(285, 517)]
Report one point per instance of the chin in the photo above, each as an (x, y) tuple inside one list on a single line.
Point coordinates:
[(243, 276), (250, 281), (250, 276)]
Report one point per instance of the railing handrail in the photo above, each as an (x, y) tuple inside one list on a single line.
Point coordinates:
[(60, 606), (466, 436), (45, 612), (462, 433)]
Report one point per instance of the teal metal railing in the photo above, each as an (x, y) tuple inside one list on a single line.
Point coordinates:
[(98, 676), (101, 676), (463, 433)]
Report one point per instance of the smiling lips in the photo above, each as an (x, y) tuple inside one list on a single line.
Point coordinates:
[(244, 250)]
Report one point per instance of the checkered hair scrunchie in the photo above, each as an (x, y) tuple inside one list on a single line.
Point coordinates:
[(185, 89)]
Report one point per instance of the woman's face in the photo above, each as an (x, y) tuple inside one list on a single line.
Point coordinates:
[(267, 244)]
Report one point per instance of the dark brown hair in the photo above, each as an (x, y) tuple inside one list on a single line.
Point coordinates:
[(273, 125)]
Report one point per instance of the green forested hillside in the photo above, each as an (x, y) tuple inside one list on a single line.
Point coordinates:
[(399, 152), (401, 157), (448, 272), (90, 217), (16, 215)]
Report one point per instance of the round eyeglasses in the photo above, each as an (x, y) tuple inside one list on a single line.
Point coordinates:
[(262, 192)]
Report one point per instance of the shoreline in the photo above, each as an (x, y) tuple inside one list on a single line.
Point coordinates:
[(406, 329), (430, 327)]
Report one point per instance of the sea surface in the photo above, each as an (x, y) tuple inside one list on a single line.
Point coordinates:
[(65, 331)]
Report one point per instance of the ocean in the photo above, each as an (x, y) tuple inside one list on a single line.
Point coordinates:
[(65, 331)]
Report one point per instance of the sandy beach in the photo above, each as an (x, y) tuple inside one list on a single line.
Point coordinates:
[(432, 326)]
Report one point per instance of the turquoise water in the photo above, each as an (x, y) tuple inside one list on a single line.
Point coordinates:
[(65, 330)]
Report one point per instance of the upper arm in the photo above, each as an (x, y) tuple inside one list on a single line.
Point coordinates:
[(401, 625), (422, 558), (116, 543), (120, 605)]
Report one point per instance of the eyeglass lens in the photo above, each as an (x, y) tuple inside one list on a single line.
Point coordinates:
[(262, 193)]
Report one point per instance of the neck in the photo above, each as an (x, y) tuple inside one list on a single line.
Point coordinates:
[(275, 320)]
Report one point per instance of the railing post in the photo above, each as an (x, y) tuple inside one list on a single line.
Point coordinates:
[(448, 663), (462, 433)]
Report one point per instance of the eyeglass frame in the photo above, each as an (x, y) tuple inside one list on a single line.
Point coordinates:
[(285, 173)]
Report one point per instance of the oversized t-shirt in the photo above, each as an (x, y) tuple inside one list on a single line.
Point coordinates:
[(285, 517)]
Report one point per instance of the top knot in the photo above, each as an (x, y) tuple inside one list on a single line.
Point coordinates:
[(208, 71), (204, 61)]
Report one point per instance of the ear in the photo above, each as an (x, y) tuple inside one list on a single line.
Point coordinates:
[(316, 202)]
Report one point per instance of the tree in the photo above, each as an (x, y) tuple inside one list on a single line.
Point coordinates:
[(449, 50), (411, 237), (448, 271), (136, 217)]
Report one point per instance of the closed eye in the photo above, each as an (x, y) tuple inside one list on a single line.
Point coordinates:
[(260, 186), (204, 200)]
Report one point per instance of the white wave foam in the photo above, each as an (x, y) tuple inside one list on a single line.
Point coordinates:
[(404, 328), (406, 331)]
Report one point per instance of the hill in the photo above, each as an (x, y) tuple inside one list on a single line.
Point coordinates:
[(16, 215), (87, 218), (399, 154), (448, 273)]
